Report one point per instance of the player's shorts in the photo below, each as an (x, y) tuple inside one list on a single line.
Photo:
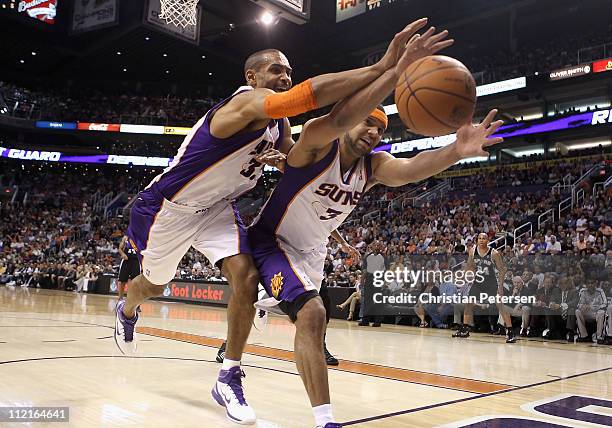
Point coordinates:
[(286, 272), (488, 288), (163, 232), (129, 269)]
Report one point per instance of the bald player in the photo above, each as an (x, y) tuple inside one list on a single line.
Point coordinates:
[(326, 174), (190, 204)]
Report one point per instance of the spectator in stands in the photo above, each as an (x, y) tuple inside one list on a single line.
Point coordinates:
[(560, 317), (519, 290), (352, 300), (553, 246), (438, 312), (429, 291), (537, 320), (592, 304)]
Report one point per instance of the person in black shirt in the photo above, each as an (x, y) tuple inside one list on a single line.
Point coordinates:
[(129, 267), (490, 272)]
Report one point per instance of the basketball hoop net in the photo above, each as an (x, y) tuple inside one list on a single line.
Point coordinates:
[(179, 13)]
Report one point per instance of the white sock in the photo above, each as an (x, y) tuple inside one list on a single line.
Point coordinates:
[(228, 364), (323, 414)]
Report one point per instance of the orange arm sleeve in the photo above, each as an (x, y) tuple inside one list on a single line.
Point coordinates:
[(295, 101)]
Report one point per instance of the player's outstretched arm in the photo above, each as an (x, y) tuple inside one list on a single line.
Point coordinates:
[(471, 141), (333, 87), (320, 132), (320, 91)]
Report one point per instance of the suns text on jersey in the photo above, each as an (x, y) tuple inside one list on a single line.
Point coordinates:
[(333, 192)]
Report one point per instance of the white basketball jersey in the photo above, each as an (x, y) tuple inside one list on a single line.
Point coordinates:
[(207, 169), (309, 203)]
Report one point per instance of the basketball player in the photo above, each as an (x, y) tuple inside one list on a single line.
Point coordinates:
[(129, 267), (488, 262), (190, 204), (326, 174), (353, 253)]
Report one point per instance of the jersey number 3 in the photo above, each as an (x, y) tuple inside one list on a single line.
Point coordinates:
[(331, 213), (248, 169)]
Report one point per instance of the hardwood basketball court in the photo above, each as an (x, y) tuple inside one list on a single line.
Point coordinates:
[(57, 349)]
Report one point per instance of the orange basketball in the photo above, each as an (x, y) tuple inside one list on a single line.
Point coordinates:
[(435, 95)]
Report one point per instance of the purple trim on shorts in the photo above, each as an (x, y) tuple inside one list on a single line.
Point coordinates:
[(243, 238), (291, 183), (270, 260), (142, 216)]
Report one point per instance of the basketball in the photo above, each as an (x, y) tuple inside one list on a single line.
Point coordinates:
[(435, 95)]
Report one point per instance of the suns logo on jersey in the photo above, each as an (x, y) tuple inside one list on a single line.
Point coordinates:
[(333, 192), (276, 284)]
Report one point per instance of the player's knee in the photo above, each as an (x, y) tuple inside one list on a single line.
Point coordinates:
[(240, 268), (312, 316), (243, 279), (149, 288)]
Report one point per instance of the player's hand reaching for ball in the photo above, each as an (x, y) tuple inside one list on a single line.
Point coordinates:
[(273, 157), (421, 45), (473, 139), (398, 45)]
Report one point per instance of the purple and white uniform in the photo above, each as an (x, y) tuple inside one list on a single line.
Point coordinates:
[(190, 204), (289, 237)]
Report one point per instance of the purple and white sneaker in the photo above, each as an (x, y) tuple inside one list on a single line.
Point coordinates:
[(330, 425), (124, 330), (228, 393)]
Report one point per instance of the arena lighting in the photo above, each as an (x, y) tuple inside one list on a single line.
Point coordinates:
[(267, 19), (533, 116), (526, 152), (590, 144)]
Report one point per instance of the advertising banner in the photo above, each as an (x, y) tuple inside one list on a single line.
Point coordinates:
[(215, 292), (43, 10), (346, 9), (176, 130), (40, 155), (141, 129), (503, 86), (56, 125), (588, 118), (602, 65), (90, 15), (566, 73), (33, 155), (104, 127)]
